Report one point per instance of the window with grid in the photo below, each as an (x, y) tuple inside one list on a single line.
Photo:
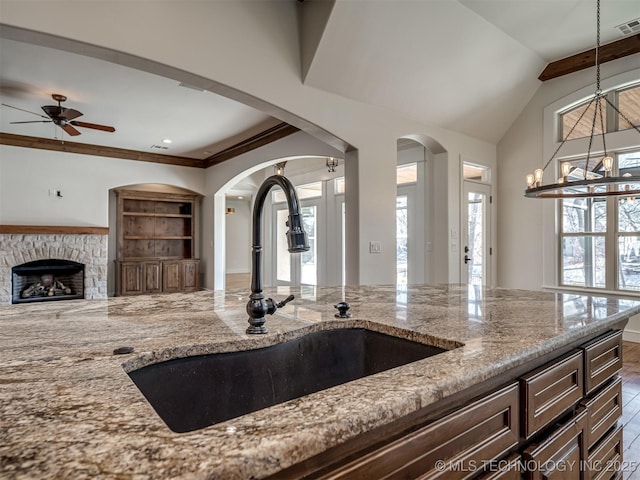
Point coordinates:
[(600, 237)]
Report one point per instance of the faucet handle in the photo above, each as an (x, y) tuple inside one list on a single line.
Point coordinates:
[(285, 301), (343, 310)]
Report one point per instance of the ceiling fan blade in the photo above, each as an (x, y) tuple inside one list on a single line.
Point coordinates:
[(95, 126), (23, 110), (69, 129), (52, 111), (33, 121), (69, 113)]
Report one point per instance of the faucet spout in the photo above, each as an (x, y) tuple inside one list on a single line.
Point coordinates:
[(297, 240)]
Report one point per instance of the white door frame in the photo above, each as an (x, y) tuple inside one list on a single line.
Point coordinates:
[(483, 189)]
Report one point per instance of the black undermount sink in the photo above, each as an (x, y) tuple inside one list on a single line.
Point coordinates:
[(195, 392)]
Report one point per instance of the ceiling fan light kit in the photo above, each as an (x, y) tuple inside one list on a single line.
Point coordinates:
[(63, 117), (587, 184)]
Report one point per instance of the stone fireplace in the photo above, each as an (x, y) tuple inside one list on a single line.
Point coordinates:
[(86, 246)]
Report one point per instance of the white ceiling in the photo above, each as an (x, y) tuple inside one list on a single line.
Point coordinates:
[(144, 108), (466, 65)]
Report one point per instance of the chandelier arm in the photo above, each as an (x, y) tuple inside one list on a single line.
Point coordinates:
[(564, 140), (602, 127), (593, 127)]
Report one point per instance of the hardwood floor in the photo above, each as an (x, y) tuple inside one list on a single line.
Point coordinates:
[(238, 280), (631, 410)]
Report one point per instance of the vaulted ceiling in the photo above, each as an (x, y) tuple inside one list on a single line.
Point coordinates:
[(466, 65)]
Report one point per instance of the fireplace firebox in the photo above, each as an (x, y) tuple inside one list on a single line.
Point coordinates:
[(47, 280)]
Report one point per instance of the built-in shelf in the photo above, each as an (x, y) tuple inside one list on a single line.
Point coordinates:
[(155, 247)]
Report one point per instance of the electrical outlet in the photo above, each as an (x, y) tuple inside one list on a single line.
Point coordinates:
[(375, 246)]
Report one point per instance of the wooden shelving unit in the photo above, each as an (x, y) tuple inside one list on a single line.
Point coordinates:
[(155, 249)]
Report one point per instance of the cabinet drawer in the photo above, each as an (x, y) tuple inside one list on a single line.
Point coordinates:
[(464, 439), (507, 469), (559, 456), (550, 391), (603, 411), (606, 459), (602, 360)]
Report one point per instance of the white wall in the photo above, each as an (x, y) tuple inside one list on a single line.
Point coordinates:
[(238, 237), (262, 69), (84, 181)]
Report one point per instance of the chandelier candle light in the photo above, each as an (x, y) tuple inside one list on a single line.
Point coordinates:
[(592, 184)]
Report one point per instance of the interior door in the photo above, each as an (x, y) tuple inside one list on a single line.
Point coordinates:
[(297, 269), (477, 234)]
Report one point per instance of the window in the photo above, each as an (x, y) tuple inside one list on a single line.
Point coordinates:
[(600, 237), (627, 100), (310, 190), (629, 106), (407, 174), (476, 173)]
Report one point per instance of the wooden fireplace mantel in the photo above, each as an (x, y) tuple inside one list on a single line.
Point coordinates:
[(52, 230)]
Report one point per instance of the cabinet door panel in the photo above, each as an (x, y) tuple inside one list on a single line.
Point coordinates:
[(152, 277), (551, 391), (602, 360), (606, 458), (190, 276), (131, 278), (603, 411), (508, 469), (171, 277), (465, 439), (559, 456)]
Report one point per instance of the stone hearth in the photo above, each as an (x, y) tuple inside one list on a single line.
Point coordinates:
[(89, 249)]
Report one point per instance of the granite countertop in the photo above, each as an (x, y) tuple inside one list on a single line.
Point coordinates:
[(69, 410)]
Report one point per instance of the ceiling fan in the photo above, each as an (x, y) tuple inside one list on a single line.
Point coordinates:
[(63, 117)]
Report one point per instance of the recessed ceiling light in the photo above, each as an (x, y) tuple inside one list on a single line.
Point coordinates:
[(167, 140), (240, 198)]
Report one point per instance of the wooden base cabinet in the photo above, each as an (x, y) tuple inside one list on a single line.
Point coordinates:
[(171, 276), (561, 455), (179, 276), (137, 278), (557, 421)]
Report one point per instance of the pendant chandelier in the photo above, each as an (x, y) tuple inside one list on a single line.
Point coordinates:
[(575, 183)]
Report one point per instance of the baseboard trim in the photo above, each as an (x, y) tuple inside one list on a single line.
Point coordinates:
[(631, 336)]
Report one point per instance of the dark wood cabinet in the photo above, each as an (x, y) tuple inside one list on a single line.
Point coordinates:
[(541, 426), (550, 391), (604, 410), (155, 243), (465, 439), (602, 359), (560, 455), (605, 460)]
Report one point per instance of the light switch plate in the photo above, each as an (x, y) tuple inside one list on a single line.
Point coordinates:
[(375, 246)]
